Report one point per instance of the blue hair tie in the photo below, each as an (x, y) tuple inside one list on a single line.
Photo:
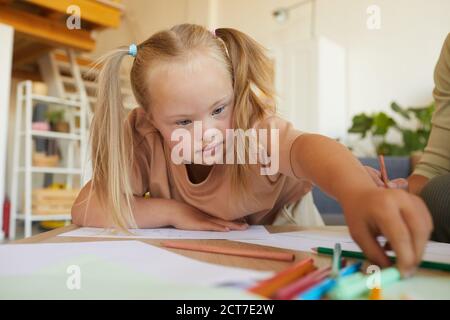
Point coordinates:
[(132, 50)]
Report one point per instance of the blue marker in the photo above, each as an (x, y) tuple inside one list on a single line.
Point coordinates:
[(320, 289)]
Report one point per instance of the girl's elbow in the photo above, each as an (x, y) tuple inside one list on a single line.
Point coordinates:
[(76, 215), (83, 216), (79, 209)]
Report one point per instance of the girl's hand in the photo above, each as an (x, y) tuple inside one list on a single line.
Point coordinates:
[(190, 218), (375, 174), (401, 217)]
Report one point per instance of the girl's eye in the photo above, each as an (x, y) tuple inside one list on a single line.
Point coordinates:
[(218, 110), (183, 122)]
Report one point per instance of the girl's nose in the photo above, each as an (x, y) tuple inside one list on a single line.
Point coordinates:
[(210, 131)]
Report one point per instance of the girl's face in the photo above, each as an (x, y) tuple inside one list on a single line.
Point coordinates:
[(189, 95)]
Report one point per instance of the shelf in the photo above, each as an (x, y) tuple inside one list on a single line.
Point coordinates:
[(54, 100), (46, 217), (26, 171), (92, 85), (55, 170), (54, 134), (75, 97), (72, 82), (65, 66)]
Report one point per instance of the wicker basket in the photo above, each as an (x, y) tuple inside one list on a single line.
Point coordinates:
[(53, 201), (43, 160)]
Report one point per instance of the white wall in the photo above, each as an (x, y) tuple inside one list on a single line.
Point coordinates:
[(395, 62)]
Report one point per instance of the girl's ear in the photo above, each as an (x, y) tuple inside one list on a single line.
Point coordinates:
[(150, 118)]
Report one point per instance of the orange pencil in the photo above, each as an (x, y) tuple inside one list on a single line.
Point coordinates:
[(269, 287), (383, 171), (251, 253)]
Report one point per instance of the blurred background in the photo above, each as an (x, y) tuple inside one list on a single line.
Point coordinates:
[(358, 71)]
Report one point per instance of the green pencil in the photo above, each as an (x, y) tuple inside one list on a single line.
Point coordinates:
[(359, 255)]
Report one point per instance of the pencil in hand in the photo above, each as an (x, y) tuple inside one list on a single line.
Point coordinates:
[(383, 171)]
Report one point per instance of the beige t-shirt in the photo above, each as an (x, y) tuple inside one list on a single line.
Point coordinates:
[(436, 158), (154, 172)]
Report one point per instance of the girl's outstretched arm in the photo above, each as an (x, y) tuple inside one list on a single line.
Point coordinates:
[(87, 211), (369, 211)]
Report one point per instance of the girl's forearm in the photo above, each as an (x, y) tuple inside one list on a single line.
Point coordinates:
[(148, 213), (330, 165)]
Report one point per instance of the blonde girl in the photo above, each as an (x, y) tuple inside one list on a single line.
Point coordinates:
[(224, 80)]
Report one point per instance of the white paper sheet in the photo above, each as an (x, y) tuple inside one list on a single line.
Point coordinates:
[(253, 232), (292, 243), (25, 259), (302, 240), (305, 240), (326, 235)]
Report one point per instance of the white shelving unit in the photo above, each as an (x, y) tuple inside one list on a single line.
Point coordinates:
[(23, 170)]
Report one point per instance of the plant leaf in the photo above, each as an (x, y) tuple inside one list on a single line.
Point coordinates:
[(396, 108), (381, 124), (361, 124)]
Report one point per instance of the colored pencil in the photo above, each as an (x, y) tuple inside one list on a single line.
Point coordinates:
[(348, 288), (336, 263), (311, 279), (302, 284), (320, 289), (383, 171), (250, 253), (268, 288), (359, 255)]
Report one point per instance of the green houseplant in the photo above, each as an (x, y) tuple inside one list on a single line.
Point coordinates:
[(414, 130), (56, 120)]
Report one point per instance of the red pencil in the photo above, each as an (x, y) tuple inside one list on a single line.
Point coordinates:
[(383, 171), (302, 284), (311, 279), (243, 252)]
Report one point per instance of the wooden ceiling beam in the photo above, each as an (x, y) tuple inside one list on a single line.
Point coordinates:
[(52, 32), (55, 15), (80, 60), (29, 53), (26, 75), (92, 11)]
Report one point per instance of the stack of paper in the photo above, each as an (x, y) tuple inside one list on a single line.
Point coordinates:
[(253, 232), (113, 269)]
